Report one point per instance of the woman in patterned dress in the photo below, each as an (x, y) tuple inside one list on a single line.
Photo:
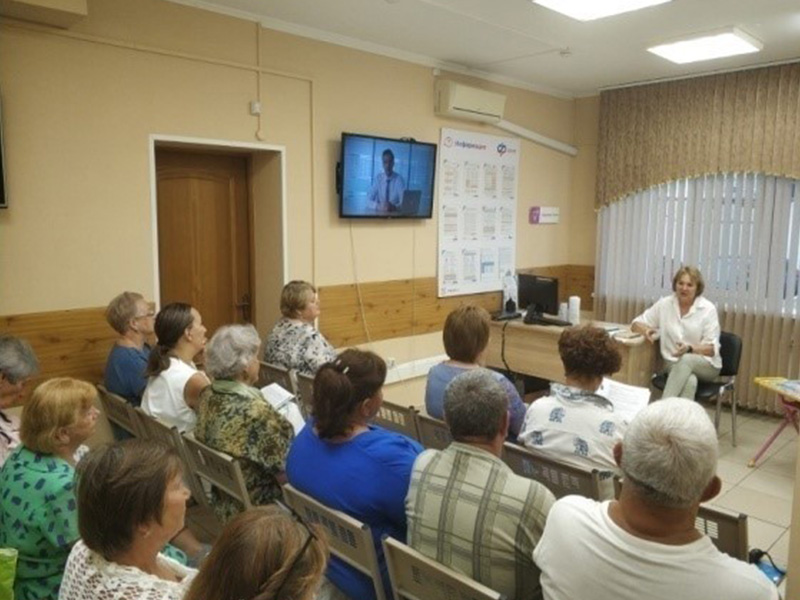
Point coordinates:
[(294, 342), (37, 503), (575, 424), (233, 417)]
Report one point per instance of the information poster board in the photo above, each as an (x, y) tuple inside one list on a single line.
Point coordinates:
[(477, 211)]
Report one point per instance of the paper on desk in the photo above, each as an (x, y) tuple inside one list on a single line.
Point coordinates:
[(627, 399), (283, 401)]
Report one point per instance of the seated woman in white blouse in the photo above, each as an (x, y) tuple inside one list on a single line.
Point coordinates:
[(688, 327), (174, 383)]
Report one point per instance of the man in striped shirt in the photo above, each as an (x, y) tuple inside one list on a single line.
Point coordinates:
[(465, 507)]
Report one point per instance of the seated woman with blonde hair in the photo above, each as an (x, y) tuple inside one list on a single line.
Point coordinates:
[(37, 503), (687, 325), (131, 502), (263, 554), (294, 342)]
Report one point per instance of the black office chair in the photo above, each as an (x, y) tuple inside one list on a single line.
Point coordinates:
[(730, 349)]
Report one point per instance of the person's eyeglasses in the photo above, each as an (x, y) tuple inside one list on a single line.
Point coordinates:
[(303, 549), (146, 315)]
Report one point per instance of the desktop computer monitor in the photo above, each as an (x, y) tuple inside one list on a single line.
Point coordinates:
[(538, 294)]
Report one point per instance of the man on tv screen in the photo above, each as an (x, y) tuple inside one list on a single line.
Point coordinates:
[(387, 190)]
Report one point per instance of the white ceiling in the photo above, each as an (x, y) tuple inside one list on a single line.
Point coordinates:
[(521, 43)]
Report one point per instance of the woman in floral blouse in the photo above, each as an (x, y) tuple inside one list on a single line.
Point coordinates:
[(37, 504), (233, 417), (294, 342)]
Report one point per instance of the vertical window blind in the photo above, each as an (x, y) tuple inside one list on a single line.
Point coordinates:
[(743, 231)]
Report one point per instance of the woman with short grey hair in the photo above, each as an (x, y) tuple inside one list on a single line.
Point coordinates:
[(231, 351), (18, 363), (233, 417)]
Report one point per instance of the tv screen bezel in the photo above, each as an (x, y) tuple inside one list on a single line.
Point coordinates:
[(340, 177)]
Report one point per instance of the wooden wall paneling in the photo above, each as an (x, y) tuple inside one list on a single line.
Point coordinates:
[(392, 309), (68, 343)]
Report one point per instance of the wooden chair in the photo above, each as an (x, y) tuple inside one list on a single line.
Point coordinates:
[(417, 577), (217, 468), (151, 428), (559, 478), (433, 433), (350, 539), (119, 411), (269, 373), (727, 530), (305, 392), (730, 351), (402, 419)]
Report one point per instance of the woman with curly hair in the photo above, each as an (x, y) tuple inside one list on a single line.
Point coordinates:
[(574, 424)]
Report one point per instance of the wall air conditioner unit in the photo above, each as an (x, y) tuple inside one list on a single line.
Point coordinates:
[(464, 102)]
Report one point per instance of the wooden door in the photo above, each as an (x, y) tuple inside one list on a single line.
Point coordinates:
[(204, 234)]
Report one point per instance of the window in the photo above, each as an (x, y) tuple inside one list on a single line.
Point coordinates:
[(741, 229)]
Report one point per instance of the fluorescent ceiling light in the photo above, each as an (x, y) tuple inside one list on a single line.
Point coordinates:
[(719, 44), (588, 10)]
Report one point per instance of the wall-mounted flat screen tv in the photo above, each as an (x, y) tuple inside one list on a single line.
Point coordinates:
[(385, 178)]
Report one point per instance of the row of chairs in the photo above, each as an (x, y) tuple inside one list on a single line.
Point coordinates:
[(202, 466), (413, 575), (351, 540), (728, 530)]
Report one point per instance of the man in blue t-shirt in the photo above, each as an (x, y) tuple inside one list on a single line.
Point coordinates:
[(133, 318)]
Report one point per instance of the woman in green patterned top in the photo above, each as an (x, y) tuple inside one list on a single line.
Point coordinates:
[(233, 417), (37, 504)]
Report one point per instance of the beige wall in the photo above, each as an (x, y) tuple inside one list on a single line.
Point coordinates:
[(79, 107)]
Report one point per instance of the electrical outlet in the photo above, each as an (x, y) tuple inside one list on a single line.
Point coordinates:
[(391, 363)]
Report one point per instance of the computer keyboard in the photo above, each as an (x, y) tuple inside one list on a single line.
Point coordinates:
[(534, 319)]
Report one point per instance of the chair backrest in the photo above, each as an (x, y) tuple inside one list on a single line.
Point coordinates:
[(219, 469), (305, 392), (151, 428), (270, 373), (417, 577), (727, 530), (402, 419), (730, 350), (119, 411), (350, 540), (433, 433), (559, 478)]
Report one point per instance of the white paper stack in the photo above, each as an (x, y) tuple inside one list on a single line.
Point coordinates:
[(283, 401)]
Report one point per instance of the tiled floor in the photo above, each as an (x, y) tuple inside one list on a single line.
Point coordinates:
[(765, 491)]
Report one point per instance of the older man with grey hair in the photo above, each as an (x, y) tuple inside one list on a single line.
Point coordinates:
[(645, 545), (18, 364), (465, 507)]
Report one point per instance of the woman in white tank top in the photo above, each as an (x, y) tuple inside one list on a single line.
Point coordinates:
[(174, 383)]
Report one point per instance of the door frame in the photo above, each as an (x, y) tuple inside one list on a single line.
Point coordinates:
[(185, 142)]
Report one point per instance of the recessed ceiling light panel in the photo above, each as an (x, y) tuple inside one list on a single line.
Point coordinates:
[(589, 10), (708, 46)]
